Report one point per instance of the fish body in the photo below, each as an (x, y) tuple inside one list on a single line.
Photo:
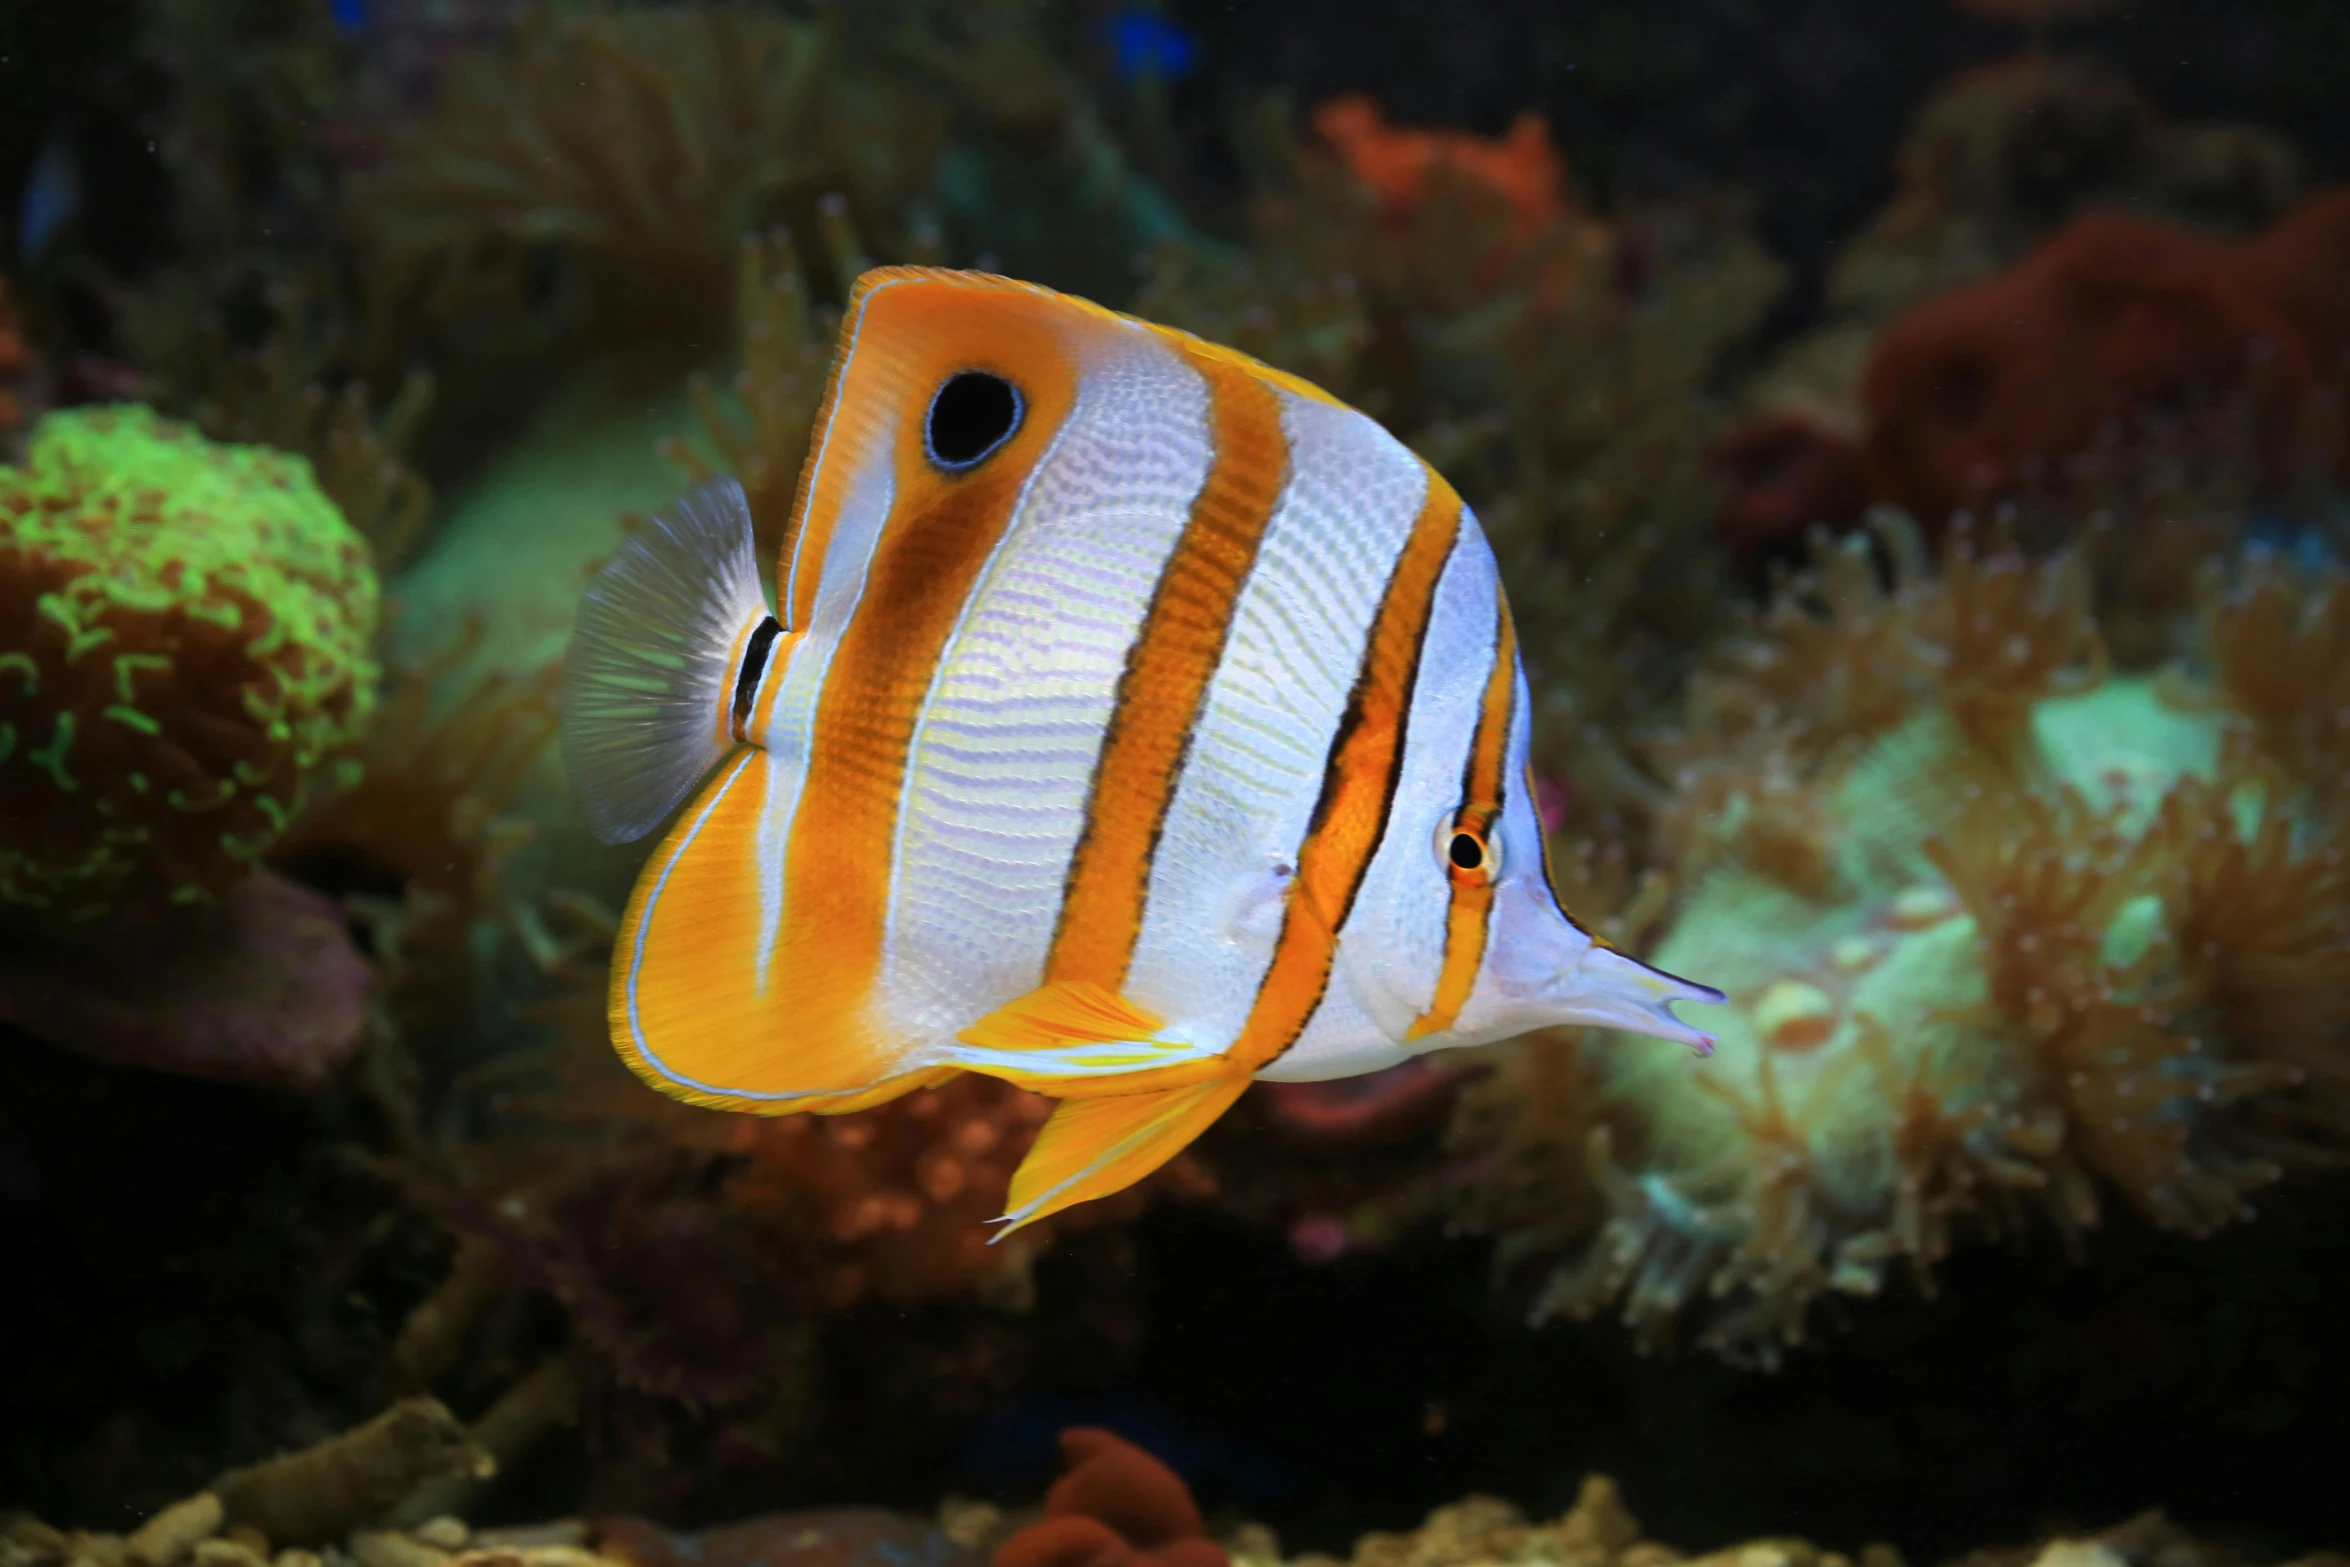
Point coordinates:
[(1134, 721)]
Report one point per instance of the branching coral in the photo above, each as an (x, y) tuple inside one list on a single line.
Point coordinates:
[(2003, 932), (185, 630), (783, 350), (419, 834), (278, 397), (642, 144)]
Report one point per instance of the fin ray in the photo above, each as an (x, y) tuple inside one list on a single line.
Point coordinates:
[(1077, 1038), (650, 676), (1094, 1147)]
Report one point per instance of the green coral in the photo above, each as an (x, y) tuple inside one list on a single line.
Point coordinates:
[(187, 627)]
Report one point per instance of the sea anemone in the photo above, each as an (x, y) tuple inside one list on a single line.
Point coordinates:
[(183, 648), (2004, 931)]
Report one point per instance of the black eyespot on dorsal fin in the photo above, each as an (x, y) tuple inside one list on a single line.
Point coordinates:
[(971, 416)]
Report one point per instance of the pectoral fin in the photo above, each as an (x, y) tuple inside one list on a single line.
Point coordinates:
[(1072, 1039), (1094, 1147)]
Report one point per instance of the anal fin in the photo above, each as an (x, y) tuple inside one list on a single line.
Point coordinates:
[(1074, 1039), (1094, 1147), (880, 1093)]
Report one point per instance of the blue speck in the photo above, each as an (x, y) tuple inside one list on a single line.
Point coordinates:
[(1145, 43), (350, 16), (52, 194)]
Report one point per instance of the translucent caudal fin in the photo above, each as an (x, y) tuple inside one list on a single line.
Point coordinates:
[(650, 682)]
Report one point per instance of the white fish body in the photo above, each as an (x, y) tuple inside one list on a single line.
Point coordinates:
[(1137, 721)]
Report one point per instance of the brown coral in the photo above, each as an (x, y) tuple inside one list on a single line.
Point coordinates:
[(2003, 932), (782, 349), (642, 144)]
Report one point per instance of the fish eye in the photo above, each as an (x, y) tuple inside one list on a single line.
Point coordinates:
[(971, 415), (1469, 856)]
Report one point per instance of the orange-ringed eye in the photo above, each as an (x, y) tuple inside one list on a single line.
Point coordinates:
[(1467, 851)]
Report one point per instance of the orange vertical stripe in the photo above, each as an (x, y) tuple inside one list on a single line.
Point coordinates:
[(1469, 915), (1358, 789), (1165, 683), (940, 533)]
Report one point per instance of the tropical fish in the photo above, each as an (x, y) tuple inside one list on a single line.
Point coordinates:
[(1133, 720)]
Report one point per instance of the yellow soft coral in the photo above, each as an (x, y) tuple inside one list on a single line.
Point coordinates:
[(183, 642)]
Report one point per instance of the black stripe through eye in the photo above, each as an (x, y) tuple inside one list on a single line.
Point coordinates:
[(971, 416), (746, 682)]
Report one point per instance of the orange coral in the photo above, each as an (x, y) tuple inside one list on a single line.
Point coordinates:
[(897, 1201), (1398, 165), (1117, 1506)]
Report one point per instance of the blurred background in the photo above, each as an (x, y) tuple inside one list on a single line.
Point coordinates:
[(1914, 439)]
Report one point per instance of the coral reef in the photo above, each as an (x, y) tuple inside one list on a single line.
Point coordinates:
[(1398, 166), (1600, 1531), (807, 1216), (782, 349), (1999, 160), (262, 987), (278, 397), (832, 1537), (1116, 1506), (640, 145), (187, 629), (2114, 320), (2003, 930)]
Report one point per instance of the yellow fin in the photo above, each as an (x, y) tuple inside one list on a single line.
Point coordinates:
[(1074, 1038), (687, 1011), (880, 1093), (1093, 1147), (1069, 1011)]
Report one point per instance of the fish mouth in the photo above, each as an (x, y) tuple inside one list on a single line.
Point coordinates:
[(1606, 989)]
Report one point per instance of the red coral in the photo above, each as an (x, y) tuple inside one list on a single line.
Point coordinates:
[(2299, 267), (1785, 472), (16, 364), (1116, 1506), (1397, 165), (2115, 317)]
